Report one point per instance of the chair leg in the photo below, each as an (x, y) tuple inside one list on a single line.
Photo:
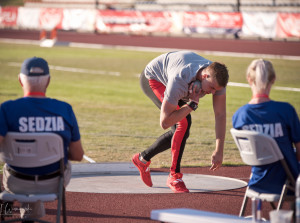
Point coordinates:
[(293, 207), (2, 210), (273, 205), (244, 205), (59, 200), (281, 200), (64, 206)]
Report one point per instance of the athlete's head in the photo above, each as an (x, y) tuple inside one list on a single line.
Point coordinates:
[(261, 73), (220, 72), (34, 75), (214, 77)]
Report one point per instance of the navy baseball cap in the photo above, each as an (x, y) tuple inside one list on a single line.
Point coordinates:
[(35, 66)]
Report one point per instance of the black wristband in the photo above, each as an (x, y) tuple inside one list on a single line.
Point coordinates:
[(193, 105)]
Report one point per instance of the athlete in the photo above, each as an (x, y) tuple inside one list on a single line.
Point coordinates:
[(168, 81), (276, 119), (37, 113)]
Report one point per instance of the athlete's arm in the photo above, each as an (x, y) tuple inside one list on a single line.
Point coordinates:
[(219, 105), (169, 115)]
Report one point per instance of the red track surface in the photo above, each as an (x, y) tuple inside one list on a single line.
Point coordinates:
[(136, 208), (291, 48), (87, 207)]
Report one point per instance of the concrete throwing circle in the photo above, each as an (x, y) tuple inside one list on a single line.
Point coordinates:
[(130, 182)]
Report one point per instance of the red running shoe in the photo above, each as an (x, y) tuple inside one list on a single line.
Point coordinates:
[(143, 168), (176, 183)]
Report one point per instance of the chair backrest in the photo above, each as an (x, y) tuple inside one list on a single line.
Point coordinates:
[(256, 148), (31, 149)]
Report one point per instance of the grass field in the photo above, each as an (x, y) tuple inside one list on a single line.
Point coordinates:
[(115, 118)]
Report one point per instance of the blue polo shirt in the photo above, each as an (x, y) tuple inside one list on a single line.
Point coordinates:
[(30, 114), (280, 121)]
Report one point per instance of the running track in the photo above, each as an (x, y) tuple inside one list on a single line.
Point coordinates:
[(287, 48), (136, 208)]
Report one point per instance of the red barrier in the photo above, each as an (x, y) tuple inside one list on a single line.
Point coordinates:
[(133, 21), (51, 18), (212, 22), (8, 16), (282, 25), (288, 25), (227, 20)]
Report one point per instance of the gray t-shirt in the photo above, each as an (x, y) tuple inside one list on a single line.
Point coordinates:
[(176, 70)]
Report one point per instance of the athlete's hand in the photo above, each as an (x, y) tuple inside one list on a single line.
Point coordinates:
[(216, 160)]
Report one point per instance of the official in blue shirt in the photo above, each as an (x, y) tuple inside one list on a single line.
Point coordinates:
[(36, 113), (276, 119)]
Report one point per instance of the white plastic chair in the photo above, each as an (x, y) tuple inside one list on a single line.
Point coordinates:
[(260, 149), (34, 150)]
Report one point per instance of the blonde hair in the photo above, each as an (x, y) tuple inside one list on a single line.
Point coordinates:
[(261, 73), (36, 83)]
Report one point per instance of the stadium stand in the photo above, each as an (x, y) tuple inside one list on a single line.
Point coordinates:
[(103, 4), (190, 5), (175, 5)]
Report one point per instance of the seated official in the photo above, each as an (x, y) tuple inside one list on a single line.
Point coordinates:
[(276, 119), (36, 113)]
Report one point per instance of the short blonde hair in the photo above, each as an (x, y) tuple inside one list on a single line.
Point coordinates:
[(261, 73)]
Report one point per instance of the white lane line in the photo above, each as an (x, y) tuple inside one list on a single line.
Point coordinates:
[(287, 88), (163, 50), (80, 70), (72, 69), (89, 159), (275, 87)]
